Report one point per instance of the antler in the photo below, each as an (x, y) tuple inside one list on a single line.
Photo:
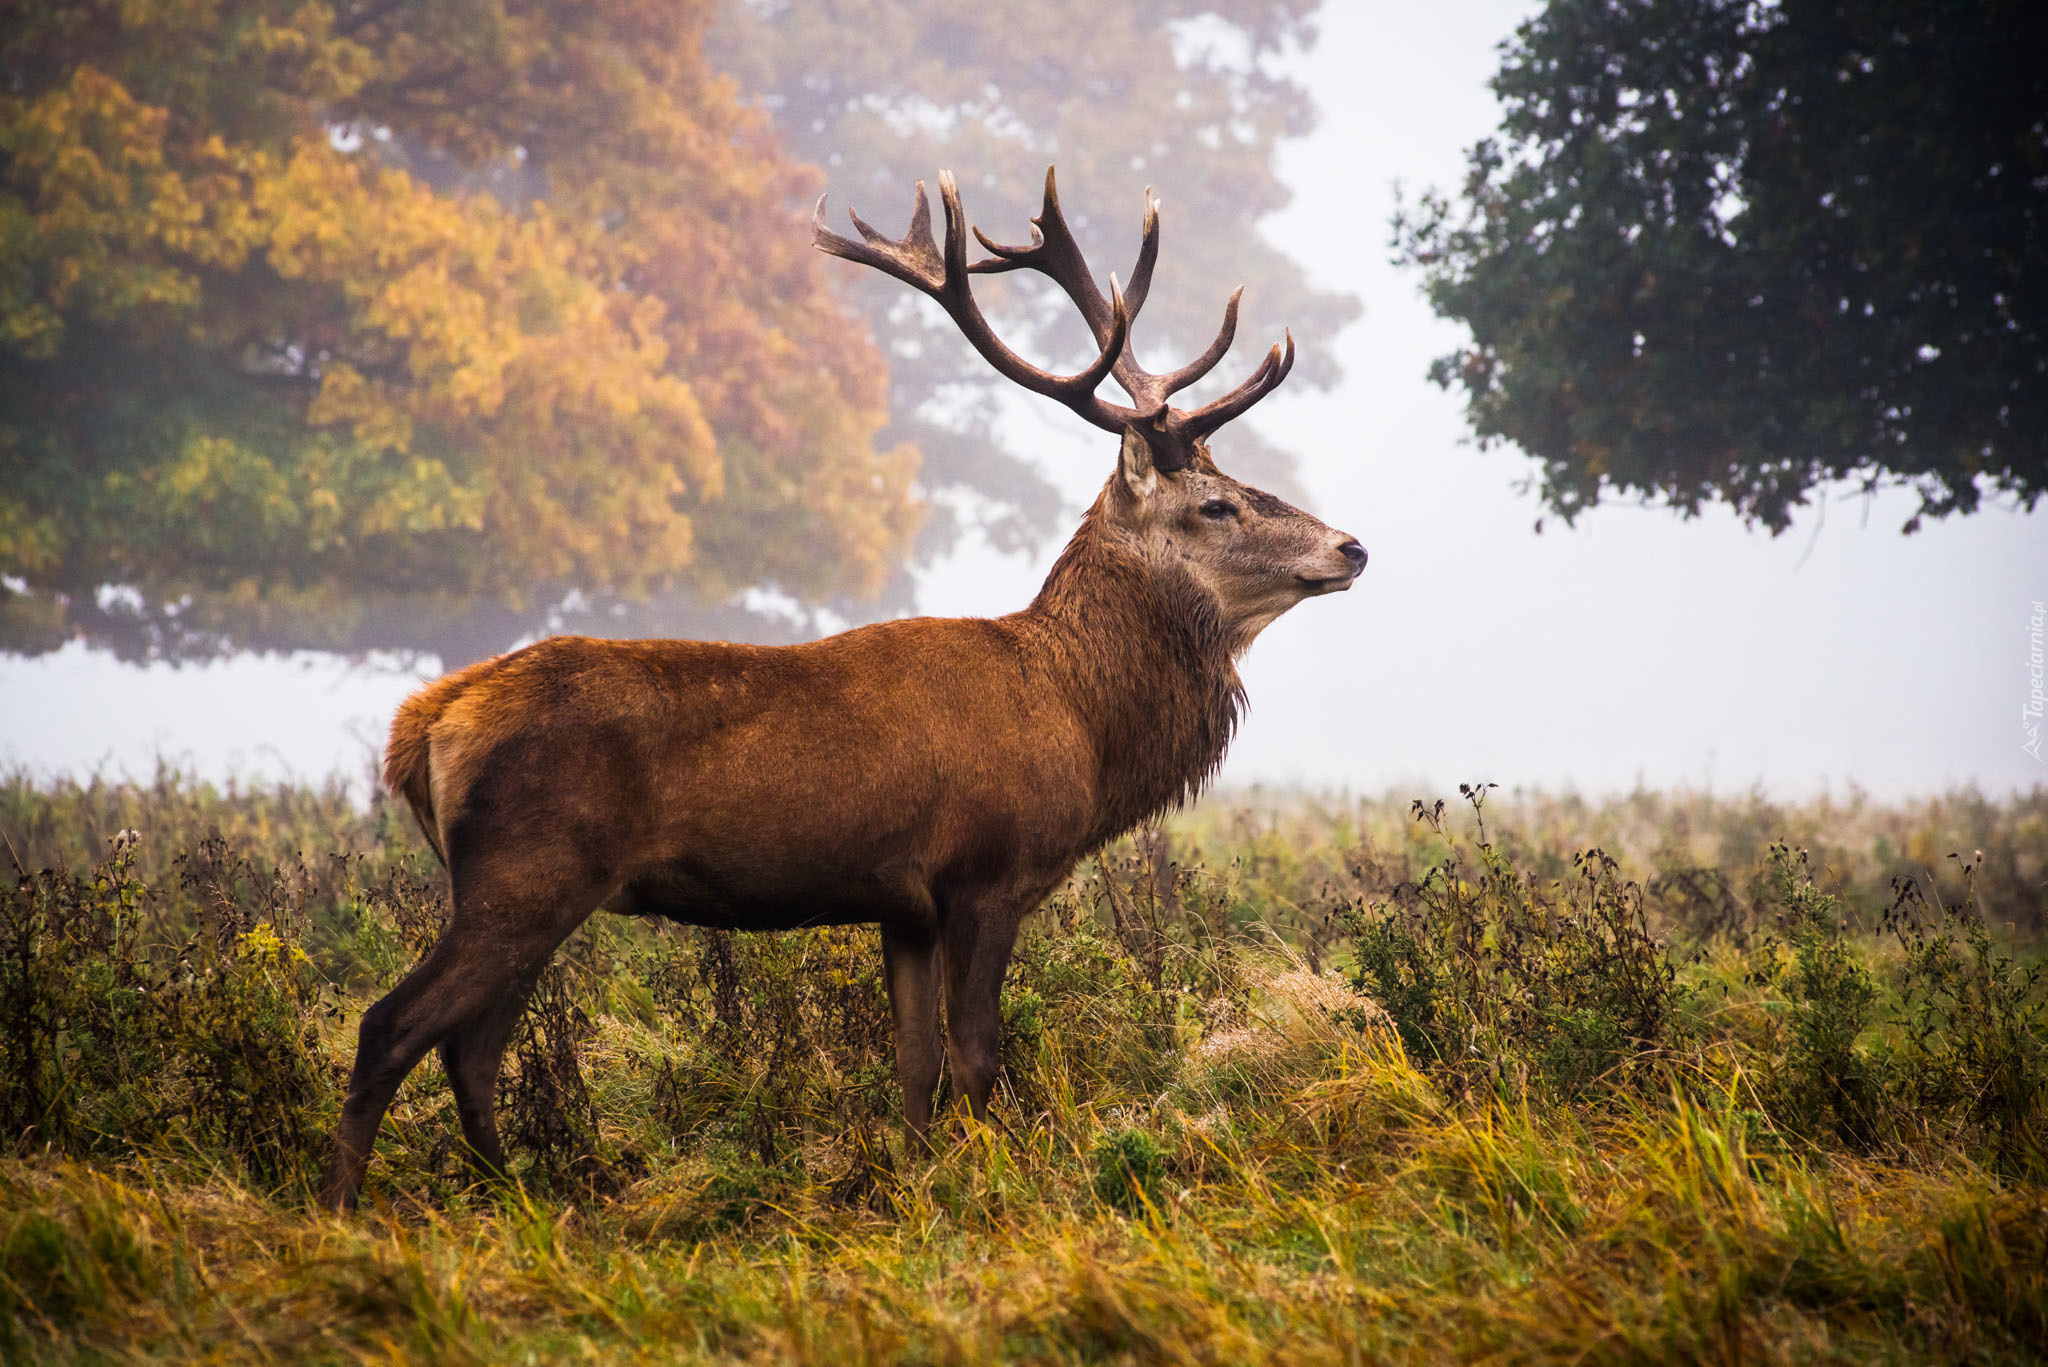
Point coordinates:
[(917, 261), (1173, 433)]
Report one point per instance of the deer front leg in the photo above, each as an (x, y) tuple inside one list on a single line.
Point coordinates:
[(978, 938), (910, 966)]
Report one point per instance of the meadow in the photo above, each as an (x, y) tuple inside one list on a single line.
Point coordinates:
[(1508, 1076)]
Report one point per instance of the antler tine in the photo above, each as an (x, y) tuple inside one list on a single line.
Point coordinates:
[(1206, 419), (1148, 257), (1054, 254), (1175, 381), (918, 261), (956, 233), (915, 260)]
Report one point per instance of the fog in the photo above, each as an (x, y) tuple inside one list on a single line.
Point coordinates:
[(1633, 648)]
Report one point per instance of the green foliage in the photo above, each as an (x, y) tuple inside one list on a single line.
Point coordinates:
[(1399, 963), (1971, 1020), (126, 1028), (779, 1038), (1129, 1166), (1498, 980), (1832, 998), (550, 1113), (1722, 251)]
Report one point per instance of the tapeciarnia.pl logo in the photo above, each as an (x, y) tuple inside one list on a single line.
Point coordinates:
[(2030, 715)]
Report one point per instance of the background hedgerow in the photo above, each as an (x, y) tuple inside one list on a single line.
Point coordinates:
[(1282, 1080)]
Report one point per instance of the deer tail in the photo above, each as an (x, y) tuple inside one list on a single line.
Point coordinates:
[(408, 757)]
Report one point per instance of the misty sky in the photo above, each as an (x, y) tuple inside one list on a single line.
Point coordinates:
[(1632, 648)]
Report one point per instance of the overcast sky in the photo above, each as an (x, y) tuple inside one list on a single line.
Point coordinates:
[(1631, 648)]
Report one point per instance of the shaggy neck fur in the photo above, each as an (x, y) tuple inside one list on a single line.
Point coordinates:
[(1145, 656)]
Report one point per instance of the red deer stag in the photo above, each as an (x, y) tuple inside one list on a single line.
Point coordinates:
[(939, 777)]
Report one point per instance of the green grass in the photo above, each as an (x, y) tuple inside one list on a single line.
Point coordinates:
[(1284, 1081)]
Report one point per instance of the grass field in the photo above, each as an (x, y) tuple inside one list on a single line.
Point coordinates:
[(1666, 1077)]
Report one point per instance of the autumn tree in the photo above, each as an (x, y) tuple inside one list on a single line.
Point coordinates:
[(1186, 96), (436, 323), (1732, 251), (372, 324)]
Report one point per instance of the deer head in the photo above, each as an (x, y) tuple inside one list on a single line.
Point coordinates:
[(1167, 500)]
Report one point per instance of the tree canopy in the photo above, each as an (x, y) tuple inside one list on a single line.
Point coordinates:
[(382, 324), (1729, 251)]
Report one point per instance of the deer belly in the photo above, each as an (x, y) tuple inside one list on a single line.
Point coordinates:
[(788, 898)]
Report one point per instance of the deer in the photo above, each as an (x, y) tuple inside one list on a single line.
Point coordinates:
[(937, 777)]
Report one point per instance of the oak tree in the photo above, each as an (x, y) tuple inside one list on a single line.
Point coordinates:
[(1730, 251)]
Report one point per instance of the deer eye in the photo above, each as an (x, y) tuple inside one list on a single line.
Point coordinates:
[(1217, 507)]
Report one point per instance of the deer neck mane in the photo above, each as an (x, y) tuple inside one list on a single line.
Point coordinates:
[(1145, 657)]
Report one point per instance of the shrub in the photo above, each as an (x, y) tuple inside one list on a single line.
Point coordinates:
[(1129, 1167), (1971, 1021), (781, 1037), (124, 1025), (549, 1113), (1501, 981), (1828, 1079)]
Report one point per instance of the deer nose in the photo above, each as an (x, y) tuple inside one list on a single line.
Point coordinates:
[(1355, 553)]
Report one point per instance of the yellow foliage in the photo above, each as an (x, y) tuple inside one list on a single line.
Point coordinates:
[(466, 299)]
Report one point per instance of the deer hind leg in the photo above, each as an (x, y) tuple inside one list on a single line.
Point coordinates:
[(492, 950), (473, 1056)]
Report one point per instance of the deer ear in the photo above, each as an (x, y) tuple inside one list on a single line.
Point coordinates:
[(1134, 463)]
